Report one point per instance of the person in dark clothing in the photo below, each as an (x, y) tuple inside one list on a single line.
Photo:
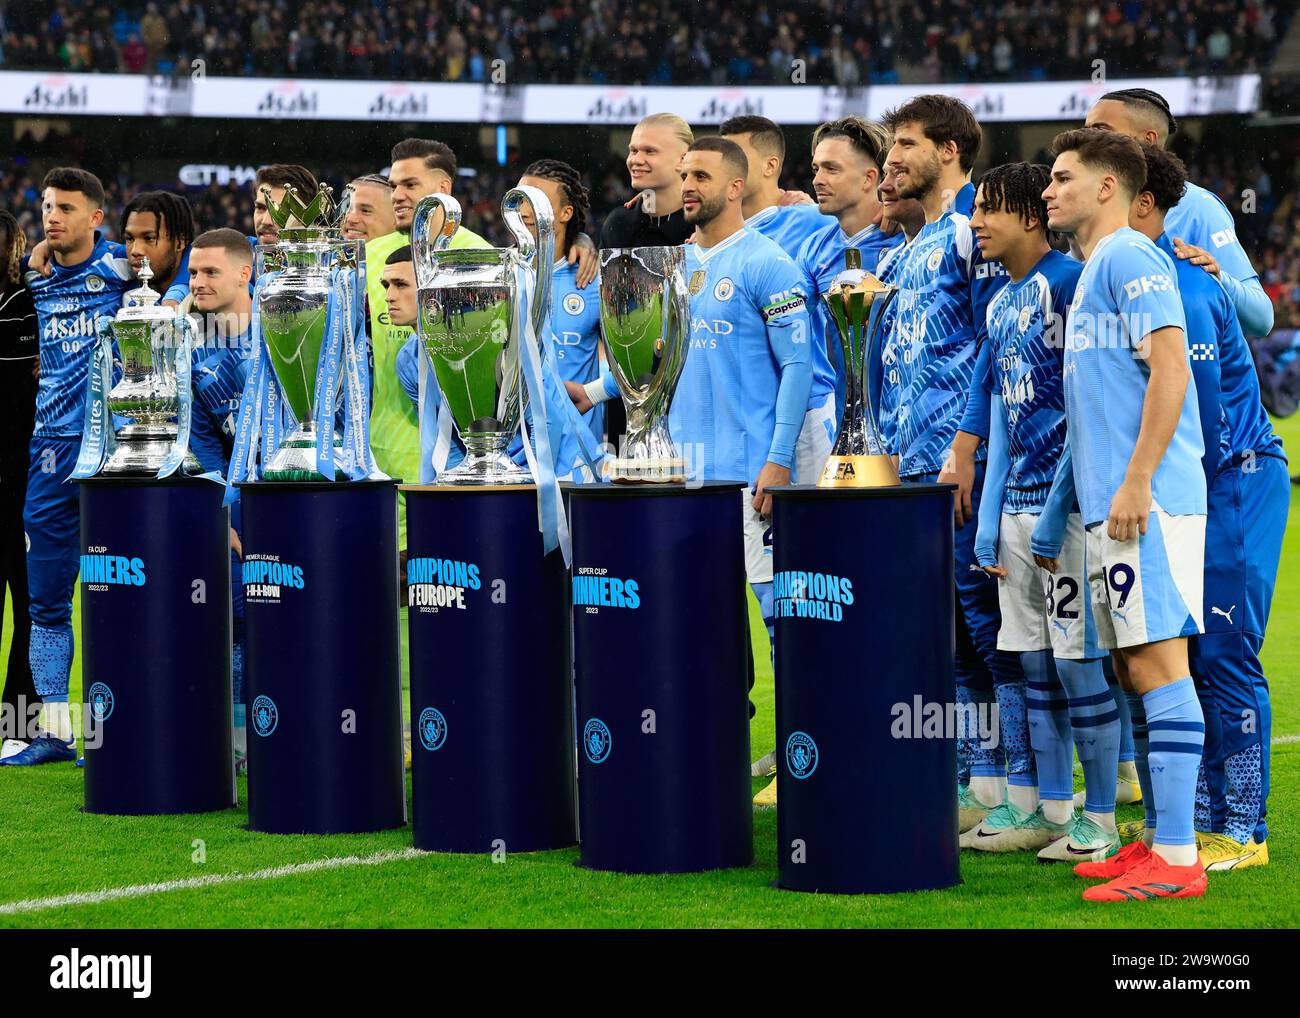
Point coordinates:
[(654, 217), (19, 364)]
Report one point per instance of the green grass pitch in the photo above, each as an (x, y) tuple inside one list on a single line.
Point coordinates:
[(49, 849)]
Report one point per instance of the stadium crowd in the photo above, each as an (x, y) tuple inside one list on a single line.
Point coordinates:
[(678, 42)]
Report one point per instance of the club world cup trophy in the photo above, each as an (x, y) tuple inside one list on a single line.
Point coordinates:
[(857, 301), (480, 321), (153, 346), (645, 320), (310, 362)]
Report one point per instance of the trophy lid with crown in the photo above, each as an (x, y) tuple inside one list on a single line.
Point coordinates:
[(302, 221)]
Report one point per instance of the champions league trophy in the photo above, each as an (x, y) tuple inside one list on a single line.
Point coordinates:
[(857, 301), (481, 315), (309, 351), (644, 323), (154, 344)]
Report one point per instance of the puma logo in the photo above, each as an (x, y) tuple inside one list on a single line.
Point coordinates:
[(1216, 610)]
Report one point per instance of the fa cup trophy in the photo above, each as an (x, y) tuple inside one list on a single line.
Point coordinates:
[(645, 320), (481, 317), (310, 360), (857, 300), (153, 393)]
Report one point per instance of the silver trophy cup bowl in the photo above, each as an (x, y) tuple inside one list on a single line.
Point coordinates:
[(470, 329), (148, 336), (644, 324)]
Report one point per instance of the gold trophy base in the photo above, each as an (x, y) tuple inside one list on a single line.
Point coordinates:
[(873, 471)]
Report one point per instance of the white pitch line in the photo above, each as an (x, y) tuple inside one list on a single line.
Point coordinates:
[(1286, 740), (189, 883)]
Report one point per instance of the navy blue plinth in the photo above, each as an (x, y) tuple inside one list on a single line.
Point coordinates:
[(491, 674), (155, 646), (321, 657), (863, 591), (660, 627)]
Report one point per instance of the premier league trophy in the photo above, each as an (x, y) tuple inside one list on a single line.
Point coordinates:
[(481, 313), (857, 301), (153, 393), (309, 331), (644, 323)]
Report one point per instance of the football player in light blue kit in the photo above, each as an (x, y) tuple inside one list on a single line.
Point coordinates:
[(1045, 617), (848, 159), (87, 282), (1136, 447), (1249, 494), (1200, 225), (789, 226), (944, 287), (1202, 232), (220, 267)]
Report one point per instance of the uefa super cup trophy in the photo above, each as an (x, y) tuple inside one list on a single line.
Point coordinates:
[(857, 300), (153, 393), (644, 324), (480, 321), (311, 363)]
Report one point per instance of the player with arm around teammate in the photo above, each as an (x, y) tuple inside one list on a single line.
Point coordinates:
[(1136, 448)]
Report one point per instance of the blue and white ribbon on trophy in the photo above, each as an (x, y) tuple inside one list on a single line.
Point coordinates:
[(438, 448), (98, 441), (264, 416), (252, 412), (551, 518), (359, 460), (184, 400)]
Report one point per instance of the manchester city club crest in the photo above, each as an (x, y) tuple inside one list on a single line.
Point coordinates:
[(697, 282), (573, 303), (801, 755), (596, 740), (1025, 314), (101, 701), (936, 256), (94, 284), (723, 290), (433, 728), (265, 715)]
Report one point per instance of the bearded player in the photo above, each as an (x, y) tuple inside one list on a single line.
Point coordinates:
[(944, 288), (847, 160), (1135, 440), (88, 278)]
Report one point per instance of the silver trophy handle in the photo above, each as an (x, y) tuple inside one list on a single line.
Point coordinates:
[(543, 248), (424, 248)]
